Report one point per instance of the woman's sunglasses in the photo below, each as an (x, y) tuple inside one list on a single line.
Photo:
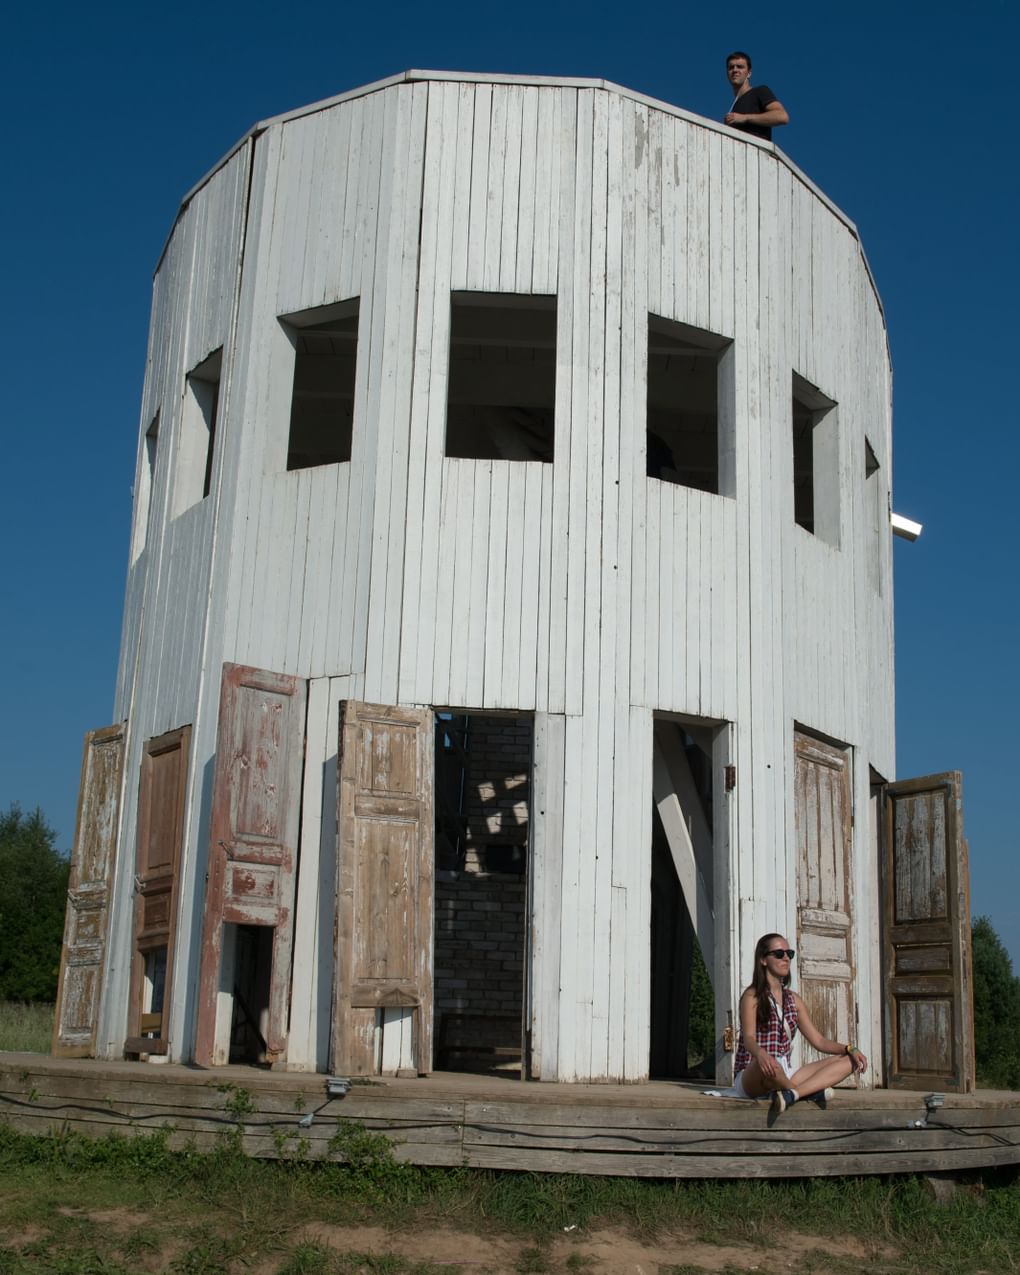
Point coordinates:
[(780, 952)]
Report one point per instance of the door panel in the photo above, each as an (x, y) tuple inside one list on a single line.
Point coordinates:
[(161, 816), (824, 913), (384, 900), (88, 894), (929, 996), (253, 839)]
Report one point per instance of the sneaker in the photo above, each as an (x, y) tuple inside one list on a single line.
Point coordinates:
[(781, 1099), (823, 1098)]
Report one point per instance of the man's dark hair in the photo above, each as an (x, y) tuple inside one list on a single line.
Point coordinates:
[(738, 53)]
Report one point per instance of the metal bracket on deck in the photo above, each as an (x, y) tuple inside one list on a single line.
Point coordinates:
[(336, 1087), (932, 1102)]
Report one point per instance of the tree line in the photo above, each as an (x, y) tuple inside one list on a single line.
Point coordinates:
[(33, 896)]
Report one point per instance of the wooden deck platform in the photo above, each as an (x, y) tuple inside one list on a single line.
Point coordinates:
[(660, 1129)]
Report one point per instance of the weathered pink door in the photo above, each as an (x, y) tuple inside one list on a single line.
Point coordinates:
[(384, 902), (88, 894), (253, 838), (162, 791), (929, 995), (825, 963)]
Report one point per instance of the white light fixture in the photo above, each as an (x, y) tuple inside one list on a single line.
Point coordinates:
[(904, 527)]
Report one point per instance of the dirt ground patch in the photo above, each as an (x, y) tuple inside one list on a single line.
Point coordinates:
[(603, 1252)]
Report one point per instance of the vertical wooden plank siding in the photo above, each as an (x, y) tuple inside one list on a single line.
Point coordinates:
[(565, 555), (383, 649), (318, 837), (447, 115), (545, 887)]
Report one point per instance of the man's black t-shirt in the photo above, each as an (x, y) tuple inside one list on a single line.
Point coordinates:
[(754, 102)]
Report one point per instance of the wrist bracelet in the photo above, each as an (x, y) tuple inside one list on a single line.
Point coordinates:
[(851, 1049)]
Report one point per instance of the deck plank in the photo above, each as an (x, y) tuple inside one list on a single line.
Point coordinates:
[(652, 1130)]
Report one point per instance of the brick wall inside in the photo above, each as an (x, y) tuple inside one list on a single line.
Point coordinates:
[(479, 955)]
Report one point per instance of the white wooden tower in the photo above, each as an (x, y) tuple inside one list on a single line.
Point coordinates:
[(518, 405)]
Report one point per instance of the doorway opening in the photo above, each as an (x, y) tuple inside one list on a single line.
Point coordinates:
[(248, 959), (682, 1019), (482, 817)]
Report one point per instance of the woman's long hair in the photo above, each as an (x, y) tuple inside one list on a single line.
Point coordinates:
[(760, 979)]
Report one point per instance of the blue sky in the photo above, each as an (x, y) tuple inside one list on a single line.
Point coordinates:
[(900, 113)]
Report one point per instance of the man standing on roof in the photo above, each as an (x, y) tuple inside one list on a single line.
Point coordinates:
[(755, 110)]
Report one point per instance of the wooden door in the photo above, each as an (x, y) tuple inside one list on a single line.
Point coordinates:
[(825, 959), (162, 791), (88, 894), (384, 900), (253, 838), (929, 1026)]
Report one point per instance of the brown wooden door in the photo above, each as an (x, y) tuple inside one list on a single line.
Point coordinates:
[(384, 903), (928, 976), (162, 791), (253, 839), (88, 894), (825, 961)]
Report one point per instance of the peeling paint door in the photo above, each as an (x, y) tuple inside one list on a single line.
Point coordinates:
[(929, 1028), (162, 791), (253, 838), (384, 901), (825, 964), (88, 894)]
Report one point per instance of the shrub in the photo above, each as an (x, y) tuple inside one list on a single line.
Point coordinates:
[(996, 1010), (33, 895)]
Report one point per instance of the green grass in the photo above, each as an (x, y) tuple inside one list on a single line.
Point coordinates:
[(25, 1028), (71, 1205)]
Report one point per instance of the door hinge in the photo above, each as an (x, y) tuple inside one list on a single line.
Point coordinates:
[(731, 778)]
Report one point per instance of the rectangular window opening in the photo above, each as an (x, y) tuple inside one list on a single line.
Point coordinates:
[(151, 440), (501, 394), (689, 438), (877, 514), (154, 991), (815, 461), (198, 432), (871, 465), (146, 486), (325, 344)]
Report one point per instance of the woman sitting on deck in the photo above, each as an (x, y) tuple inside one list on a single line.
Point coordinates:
[(762, 1064)]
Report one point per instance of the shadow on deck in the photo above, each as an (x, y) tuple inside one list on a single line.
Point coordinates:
[(659, 1129)]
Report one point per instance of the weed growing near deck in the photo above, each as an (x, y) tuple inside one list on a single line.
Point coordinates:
[(117, 1204), (25, 1028)]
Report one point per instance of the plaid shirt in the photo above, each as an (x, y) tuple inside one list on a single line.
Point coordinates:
[(773, 1038)]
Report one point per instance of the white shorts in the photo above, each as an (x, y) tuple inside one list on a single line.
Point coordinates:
[(738, 1090)]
